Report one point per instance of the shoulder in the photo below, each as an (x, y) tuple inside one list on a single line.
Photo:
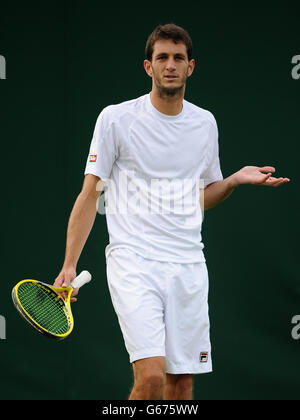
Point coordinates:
[(115, 112), (200, 113)]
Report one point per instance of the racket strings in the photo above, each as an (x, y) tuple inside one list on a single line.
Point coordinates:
[(43, 307)]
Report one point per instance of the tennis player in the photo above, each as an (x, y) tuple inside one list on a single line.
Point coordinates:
[(152, 156)]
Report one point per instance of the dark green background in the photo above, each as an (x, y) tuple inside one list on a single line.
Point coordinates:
[(66, 60)]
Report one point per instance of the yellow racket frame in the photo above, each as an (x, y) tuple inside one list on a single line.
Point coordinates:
[(66, 303)]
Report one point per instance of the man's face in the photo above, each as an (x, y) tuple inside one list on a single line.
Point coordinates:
[(169, 67)]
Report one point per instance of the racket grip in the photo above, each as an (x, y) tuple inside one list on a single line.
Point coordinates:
[(83, 278)]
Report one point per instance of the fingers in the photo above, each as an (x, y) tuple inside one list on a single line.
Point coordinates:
[(272, 181), (276, 182), (74, 293), (265, 178), (267, 169), (69, 276), (65, 277), (59, 280)]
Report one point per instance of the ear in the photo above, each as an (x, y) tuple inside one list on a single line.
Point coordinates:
[(191, 67), (148, 67)]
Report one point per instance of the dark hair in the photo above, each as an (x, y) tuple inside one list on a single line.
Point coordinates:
[(169, 31)]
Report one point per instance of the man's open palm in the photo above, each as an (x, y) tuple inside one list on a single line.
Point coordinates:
[(259, 176)]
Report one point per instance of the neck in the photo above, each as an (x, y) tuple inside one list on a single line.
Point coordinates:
[(169, 105)]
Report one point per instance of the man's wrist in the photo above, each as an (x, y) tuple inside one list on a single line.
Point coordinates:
[(69, 265), (233, 181)]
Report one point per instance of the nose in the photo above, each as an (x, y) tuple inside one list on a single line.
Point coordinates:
[(171, 65)]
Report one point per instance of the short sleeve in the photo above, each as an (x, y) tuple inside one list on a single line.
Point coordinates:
[(213, 172), (103, 149)]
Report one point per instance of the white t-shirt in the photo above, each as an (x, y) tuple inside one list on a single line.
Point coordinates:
[(153, 165)]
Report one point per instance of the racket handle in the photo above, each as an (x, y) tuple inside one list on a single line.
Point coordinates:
[(83, 278)]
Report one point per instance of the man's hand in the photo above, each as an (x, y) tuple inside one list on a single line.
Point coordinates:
[(218, 191), (65, 277), (257, 176)]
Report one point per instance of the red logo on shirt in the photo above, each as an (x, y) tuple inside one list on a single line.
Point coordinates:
[(203, 357), (93, 158)]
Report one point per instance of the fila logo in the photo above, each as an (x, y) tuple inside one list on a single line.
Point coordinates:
[(93, 158), (203, 356)]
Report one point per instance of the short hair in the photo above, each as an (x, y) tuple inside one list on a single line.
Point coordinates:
[(169, 31)]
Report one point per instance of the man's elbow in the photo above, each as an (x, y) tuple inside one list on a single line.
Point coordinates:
[(92, 187)]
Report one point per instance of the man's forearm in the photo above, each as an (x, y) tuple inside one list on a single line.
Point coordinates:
[(80, 224), (218, 191)]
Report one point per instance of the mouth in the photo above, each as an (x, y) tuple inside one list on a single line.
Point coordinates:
[(169, 77)]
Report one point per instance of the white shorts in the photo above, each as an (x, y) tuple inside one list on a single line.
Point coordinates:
[(162, 310)]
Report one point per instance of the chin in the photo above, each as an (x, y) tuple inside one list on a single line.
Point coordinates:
[(170, 91)]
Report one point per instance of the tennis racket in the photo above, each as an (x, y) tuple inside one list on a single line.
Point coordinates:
[(44, 308)]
